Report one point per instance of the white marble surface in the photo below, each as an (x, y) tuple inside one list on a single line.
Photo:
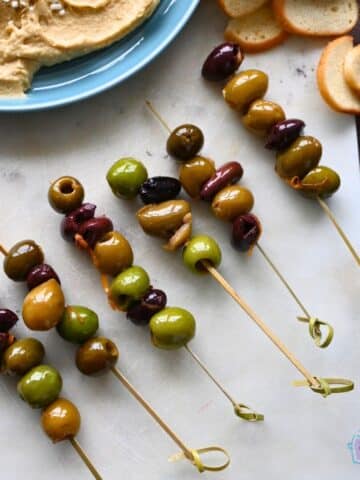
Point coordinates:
[(304, 436)]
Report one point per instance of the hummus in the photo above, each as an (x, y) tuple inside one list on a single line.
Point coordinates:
[(36, 33)]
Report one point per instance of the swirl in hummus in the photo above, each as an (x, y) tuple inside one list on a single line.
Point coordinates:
[(45, 32)]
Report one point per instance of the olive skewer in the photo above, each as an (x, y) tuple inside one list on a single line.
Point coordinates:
[(78, 324), (130, 290), (60, 418), (202, 254), (297, 157), (246, 230)]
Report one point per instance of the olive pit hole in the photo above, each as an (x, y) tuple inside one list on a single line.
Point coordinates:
[(66, 187)]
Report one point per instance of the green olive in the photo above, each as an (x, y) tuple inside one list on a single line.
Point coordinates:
[(40, 386), (96, 355), (172, 328), (185, 142), (61, 420), (126, 176), (244, 88), (164, 219), (22, 356), (129, 286), (21, 258), (262, 116), (320, 182), (44, 306), (302, 156), (113, 254), (194, 173), (66, 194), (231, 202), (201, 248), (78, 324)]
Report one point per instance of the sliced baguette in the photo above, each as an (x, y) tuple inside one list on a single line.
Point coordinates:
[(257, 31), (239, 8), (331, 79), (352, 69), (317, 17)]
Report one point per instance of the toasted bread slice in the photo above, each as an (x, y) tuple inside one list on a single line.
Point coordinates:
[(331, 79), (257, 31), (352, 69), (317, 17), (239, 8)]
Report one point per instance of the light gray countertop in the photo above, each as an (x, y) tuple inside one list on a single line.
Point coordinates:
[(304, 436)]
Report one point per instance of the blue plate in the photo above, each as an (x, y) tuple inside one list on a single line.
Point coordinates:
[(86, 76)]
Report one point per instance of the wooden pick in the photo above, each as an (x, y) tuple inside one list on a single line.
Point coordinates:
[(84, 457)]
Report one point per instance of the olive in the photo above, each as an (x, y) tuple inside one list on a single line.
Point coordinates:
[(201, 248), (8, 320), (96, 355), (185, 142), (129, 286), (320, 182), (22, 356), (40, 274), (159, 189), (222, 62), (152, 302), (262, 116), (194, 173), (126, 176), (244, 88), (231, 202), (72, 221), (44, 306), (40, 386), (66, 194), (164, 219), (172, 328), (61, 420), (21, 258), (297, 160), (94, 229), (246, 231), (113, 254), (78, 324), (227, 174), (283, 134)]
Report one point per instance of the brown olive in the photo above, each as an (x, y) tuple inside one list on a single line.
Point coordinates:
[(113, 254), (185, 142), (96, 355), (194, 173), (22, 356), (66, 194), (21, 258), (262, 116), (231, 202), (61, 420), (244, 88), (302, 156)]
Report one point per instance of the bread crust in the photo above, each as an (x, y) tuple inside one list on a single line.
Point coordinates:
[(324, 88), (256, 4), (255, 47)]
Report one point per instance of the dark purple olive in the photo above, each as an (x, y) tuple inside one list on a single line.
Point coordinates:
[(227, 174), (284, 133), (151, 303), (159, 189), (72, 221), (7, 320), (41, 274), (6, 340), (222, 62), (94, 229), (246, 231)]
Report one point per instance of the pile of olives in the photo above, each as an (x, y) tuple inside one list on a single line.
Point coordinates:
[(297, 156)]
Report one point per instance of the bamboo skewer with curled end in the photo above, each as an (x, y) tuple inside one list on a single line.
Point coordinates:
[(246, 229), (79, 325), (60, 418)]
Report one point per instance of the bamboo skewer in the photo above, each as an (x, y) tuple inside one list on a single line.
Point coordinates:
[(79, 450)]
